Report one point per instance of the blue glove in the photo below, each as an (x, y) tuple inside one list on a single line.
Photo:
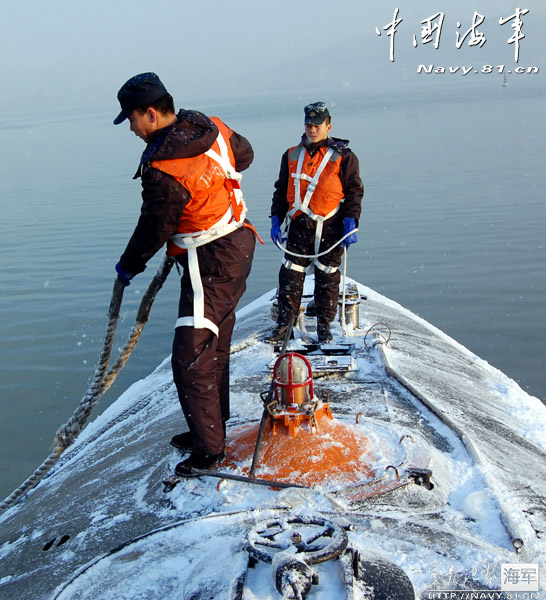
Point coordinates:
[(276, 234), (124, 277), (348, 225)]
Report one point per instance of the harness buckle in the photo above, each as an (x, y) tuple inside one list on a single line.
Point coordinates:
[(292, 266)]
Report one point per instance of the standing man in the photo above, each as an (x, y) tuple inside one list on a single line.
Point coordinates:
[(192, 200), (320, 190)]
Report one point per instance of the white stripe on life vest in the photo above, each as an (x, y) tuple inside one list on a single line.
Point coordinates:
[(229, 170), (223, 159), (303, 206), (225, 225)]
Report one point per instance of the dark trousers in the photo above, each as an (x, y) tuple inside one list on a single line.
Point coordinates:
[(301, 240), (200, 359)]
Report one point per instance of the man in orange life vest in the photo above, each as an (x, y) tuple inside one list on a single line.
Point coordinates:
[(193, 202), (320, 191)]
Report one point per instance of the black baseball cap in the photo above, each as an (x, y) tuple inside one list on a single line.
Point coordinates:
[(316, 113), (140, 91)]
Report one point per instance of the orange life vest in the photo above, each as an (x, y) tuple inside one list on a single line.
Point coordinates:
[(328, 193), (212, 190)]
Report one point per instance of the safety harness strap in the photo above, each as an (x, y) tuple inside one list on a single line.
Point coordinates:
[(288, 264), (198, 320), (223, 158), (300, 205), (232, 220), (304, 208), (233, 178), (326, 269), (234, 216)]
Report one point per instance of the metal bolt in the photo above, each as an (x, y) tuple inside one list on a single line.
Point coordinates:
[(296, 537)]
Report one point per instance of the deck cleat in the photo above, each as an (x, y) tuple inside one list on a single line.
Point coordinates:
[(421, 477)]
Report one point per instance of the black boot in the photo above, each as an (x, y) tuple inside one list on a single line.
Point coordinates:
[(182, 441), (197, 460), (278, 334), (323, 331)]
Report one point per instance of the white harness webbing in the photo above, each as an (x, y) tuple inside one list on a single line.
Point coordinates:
[(303, 206), (191, 241), (300, 205), (198, 320)]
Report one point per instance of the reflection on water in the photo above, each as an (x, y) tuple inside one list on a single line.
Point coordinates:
[(453, 228)]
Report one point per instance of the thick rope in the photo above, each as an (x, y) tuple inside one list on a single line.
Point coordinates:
[(144, 402), (102, 379)]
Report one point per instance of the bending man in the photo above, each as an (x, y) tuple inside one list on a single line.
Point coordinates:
[(192, 201)]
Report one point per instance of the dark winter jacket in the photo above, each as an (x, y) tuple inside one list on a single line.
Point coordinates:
[(163, 198), (349, 175)]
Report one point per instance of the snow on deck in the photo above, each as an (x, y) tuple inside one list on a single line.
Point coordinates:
[(127, 539)]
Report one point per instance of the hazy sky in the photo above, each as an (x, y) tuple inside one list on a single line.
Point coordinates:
[(67, 53)]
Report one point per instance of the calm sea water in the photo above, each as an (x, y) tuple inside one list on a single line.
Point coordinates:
[(453, 228)]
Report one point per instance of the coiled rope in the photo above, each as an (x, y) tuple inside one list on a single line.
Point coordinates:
[(102, 380)]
